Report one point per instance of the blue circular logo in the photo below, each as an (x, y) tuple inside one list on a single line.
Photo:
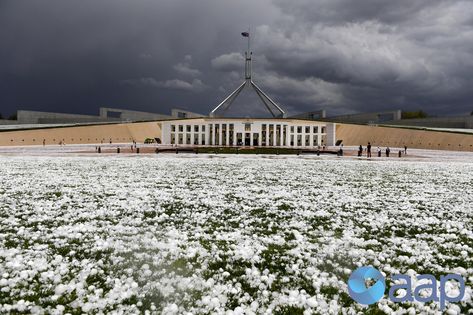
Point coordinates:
[(357, 285)]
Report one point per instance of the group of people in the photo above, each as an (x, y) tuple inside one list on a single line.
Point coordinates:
[(387, 151)]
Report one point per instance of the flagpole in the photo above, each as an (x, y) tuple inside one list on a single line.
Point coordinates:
[(249, 35)]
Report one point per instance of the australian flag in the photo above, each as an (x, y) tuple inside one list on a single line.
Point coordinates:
[(245, 34)]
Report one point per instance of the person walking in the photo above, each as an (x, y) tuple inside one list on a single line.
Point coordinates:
[(387, 151), (360, 150), (405, 149), (379, 152), (368, 150)]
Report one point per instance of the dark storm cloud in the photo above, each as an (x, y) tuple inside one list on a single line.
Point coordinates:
[(341, 55), (379, 54)]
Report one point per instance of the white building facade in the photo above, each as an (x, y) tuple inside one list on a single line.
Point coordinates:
[(268, 132)]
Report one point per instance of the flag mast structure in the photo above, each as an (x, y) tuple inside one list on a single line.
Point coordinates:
[(275, 110)]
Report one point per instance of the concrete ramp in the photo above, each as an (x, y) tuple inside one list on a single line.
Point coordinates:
[(399, 137)]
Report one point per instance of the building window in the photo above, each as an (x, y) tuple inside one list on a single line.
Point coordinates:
[(188, 138), (203, 128), (323, 129), (196, 128), (292, 141), (315, 142), (307, 140), (217, 134), (263, 127), (278, 135), (247, 127), (230, 135), (255, 138), (299, 129), (188, 128), (181, 128), (316, 129), (173, 138), (307, 129), (299, 140), (231, 126), (210, 134), (173, 128), (239, 137), (224, 134), (292, 129), (284, 135), (203, 138), (196, 138), (181, 138)]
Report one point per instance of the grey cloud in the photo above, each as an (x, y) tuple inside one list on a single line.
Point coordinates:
[(185, 67), (346, 11), (228, 62), (420, 60), (195, 85), (343, 56)]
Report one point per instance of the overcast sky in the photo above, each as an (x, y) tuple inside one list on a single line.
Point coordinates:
[(339, 55)]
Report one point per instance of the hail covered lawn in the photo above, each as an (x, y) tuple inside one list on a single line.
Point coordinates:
[(237, 235)]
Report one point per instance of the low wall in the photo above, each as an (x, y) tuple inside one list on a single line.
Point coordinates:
[(355, 135), (126, 132)]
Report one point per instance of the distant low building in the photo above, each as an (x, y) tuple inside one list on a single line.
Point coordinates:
[(314, 115), (106, 114), (458, 122), (180, 113), (368, 118), (129, 115)]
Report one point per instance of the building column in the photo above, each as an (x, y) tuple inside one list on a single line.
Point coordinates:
[(331, 136), (227, 136)]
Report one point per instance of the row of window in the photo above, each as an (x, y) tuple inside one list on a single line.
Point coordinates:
[(180, 128), (246, 139), (315, 129), (264, 127)]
